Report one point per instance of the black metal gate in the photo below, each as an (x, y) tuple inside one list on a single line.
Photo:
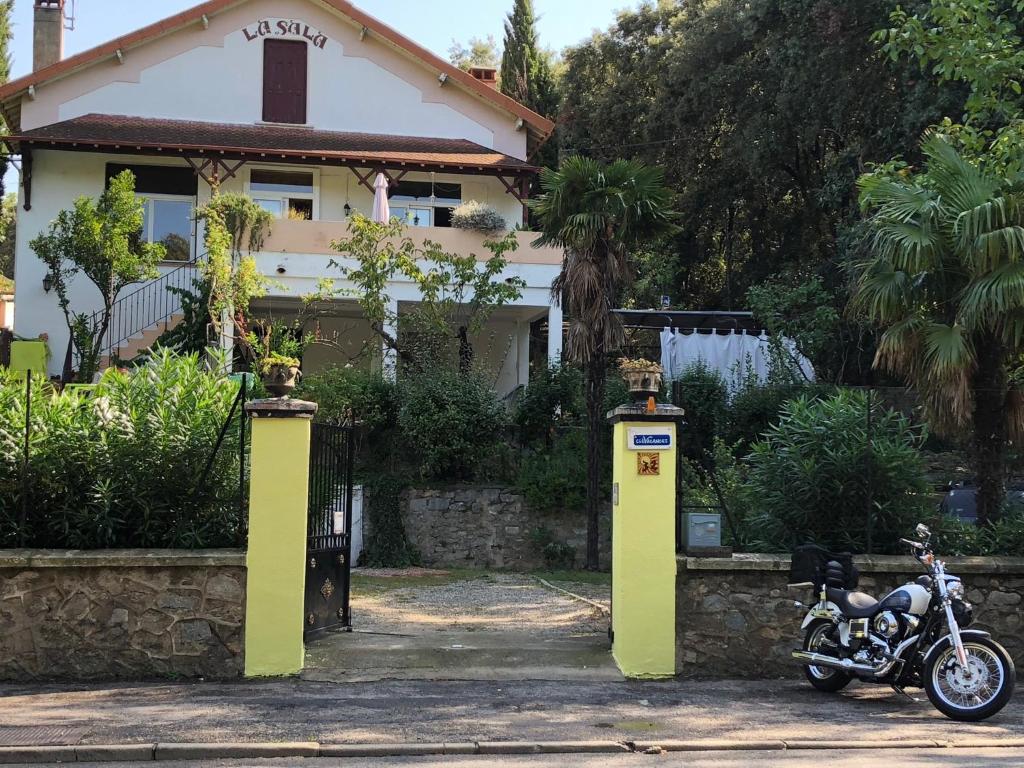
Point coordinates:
[(329, 543)]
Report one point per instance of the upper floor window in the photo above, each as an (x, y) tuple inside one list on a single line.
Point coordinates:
[(170, 197), (284, 81), (425, 204), (286, 194)]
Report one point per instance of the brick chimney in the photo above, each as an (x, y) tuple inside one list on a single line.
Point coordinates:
[(486, 75), (48, 33)]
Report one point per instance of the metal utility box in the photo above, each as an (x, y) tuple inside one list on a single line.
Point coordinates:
[(702, 530)]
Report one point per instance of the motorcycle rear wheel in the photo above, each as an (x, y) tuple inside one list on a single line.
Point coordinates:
[(823, 678), (970, 699)]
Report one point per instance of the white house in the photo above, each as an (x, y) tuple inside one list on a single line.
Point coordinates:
[(299, 103)]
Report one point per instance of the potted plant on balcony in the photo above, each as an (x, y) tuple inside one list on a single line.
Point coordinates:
[(280, 373), (643, 377), (480, 217)]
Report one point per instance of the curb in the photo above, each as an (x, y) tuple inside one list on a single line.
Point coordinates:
[(159, 751)]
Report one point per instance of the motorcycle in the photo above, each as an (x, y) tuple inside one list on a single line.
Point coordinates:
[(915, 636)]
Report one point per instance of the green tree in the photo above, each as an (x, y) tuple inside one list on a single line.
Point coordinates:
[(599, 214), (6, 35), (235, 227), (102, 240), (979, 44), (946, 281), (480, 52), (762, 114), (458, 293), (526, 69), (8, 233)]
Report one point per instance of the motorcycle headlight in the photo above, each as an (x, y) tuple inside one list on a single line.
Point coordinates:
[(955, 589)]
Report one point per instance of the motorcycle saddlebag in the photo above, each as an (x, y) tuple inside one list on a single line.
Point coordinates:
[(810, 563)]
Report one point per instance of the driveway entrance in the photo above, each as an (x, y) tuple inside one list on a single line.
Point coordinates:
[(415, 624)]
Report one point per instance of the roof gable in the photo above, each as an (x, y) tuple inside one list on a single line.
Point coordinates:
[(12, 93)]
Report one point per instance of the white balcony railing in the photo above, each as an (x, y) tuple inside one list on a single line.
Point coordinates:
[(315, 237)]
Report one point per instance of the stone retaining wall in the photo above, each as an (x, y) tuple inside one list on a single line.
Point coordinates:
[(121, 614), (491, 527), (735, 617)]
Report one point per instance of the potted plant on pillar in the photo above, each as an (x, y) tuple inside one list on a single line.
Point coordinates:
[(643, 377), (280, 373)]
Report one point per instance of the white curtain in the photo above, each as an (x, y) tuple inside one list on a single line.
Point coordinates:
[(735, 356)]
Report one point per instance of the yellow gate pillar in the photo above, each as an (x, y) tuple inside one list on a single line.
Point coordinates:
[(644, 540), (276, 560)]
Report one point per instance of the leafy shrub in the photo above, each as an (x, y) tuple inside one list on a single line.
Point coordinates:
[(121, 466), (810, 476), (555, 479), (956, 537), (755, 408), (719, 486), (701, 392), (554, 397), (478, 216), (558, 556), (341, 391), (387, 545), (449, 423)]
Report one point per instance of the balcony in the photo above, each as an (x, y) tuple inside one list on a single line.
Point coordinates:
[(289, 236)]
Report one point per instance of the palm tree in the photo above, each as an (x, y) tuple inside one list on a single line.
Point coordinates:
[(597, 213), (946, 281)]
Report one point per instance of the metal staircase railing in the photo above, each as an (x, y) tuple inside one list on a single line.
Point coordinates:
[(134, 313)]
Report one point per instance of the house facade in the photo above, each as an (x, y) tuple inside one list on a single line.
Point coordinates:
[(300, 104)]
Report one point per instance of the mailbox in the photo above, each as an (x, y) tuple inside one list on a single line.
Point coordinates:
[(702, 530)]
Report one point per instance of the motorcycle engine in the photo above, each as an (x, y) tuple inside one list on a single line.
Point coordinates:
[(886, 625)]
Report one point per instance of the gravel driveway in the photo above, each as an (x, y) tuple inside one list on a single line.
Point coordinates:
[(418, 601)]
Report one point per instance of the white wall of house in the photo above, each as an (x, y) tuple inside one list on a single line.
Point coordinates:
[(61, 177), (215, 75)]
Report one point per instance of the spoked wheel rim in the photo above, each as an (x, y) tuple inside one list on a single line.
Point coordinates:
[(814, 644), (959, 690)]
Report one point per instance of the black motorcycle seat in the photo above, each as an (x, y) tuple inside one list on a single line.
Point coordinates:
[(854, 605)]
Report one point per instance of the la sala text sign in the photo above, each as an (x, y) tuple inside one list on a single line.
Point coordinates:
[(649, 439), (285, 28)]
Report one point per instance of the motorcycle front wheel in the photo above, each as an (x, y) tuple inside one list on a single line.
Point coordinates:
[(976, 696), (824, 679)]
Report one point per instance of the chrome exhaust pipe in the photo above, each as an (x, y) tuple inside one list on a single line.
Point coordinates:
[(845, 665)]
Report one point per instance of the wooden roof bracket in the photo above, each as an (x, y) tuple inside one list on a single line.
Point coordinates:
[(26, 175), (215, 165)]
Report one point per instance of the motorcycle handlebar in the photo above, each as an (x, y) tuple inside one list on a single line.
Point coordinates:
[(914, 544)]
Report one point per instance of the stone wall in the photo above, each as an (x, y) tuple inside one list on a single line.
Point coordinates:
[(736, 618), (121, 614), (491, 527)]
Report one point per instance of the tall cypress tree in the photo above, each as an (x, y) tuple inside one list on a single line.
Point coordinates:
[(6, 8), (525, 71)]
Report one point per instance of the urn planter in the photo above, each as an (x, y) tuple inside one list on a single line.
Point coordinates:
[(280, 379)]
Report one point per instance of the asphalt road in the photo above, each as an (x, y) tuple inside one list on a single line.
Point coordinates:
[(391, 712), (945, 758)]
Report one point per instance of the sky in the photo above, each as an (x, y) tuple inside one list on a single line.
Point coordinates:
[(561, 22)]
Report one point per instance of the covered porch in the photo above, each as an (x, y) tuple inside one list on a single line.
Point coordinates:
[(514, 340)]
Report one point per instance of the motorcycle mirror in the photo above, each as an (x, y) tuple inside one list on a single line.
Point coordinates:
[(922, 531)]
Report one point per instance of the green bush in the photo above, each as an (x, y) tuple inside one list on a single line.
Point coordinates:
[(953, 536), (120, 466), (809, 478), (756, 407), (558, 556), (341, 391), (555, 479), (554, 397), (701, 392), (387, 545), (449, 423)]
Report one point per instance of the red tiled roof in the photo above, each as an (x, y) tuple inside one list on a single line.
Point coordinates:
[(125, 134), (541, 126)]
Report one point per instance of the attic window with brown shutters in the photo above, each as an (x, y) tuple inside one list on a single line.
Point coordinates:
[(284, 81)]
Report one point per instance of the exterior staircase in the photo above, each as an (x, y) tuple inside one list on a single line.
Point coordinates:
[(140, 317)]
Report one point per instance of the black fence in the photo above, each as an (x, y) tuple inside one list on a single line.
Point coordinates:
[(716, 452), (191, 509)]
